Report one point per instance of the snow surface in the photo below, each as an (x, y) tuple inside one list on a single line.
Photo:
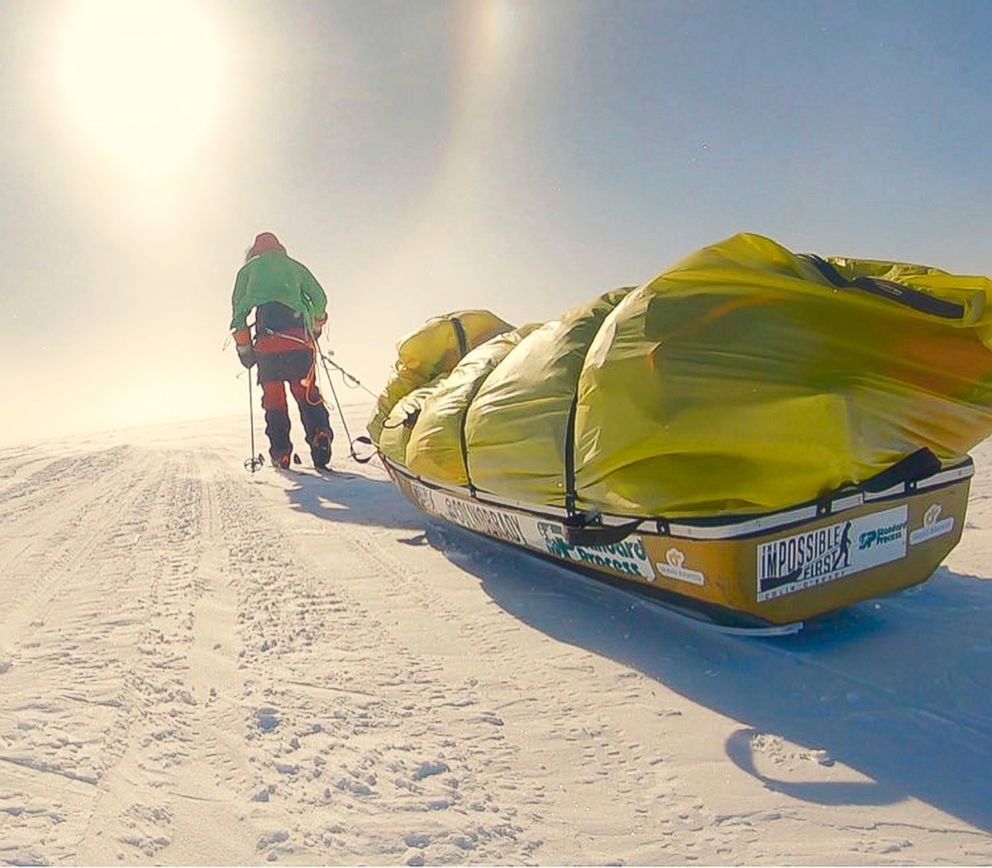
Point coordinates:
[(200, 666)]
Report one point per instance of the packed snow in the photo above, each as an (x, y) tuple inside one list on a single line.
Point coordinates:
[(202, 665)]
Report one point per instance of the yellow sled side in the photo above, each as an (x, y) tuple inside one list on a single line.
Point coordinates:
[(777, 568)]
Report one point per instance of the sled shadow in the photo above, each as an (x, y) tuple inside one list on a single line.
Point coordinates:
[(897, 689), (353, 498)]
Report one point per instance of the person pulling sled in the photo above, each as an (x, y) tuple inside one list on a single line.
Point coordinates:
[(290, 312)]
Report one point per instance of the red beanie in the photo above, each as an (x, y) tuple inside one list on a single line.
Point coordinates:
[(265, 242)]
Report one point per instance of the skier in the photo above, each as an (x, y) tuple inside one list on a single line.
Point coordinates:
[(290, 312)]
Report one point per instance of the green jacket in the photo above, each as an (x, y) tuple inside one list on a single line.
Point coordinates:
[(275, 277)]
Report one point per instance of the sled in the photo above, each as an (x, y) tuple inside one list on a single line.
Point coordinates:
[(762, 435), (755, 571)]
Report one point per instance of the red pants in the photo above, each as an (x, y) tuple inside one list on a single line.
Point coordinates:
[(313, 413), (274, 394)]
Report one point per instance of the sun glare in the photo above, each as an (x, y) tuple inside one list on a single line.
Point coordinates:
[(142, 80)]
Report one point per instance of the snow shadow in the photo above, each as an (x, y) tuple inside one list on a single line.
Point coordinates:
[(352, 498), (897, 688)]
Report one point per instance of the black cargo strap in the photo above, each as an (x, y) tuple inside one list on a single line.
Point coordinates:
[(365, 441), (584, 529), (456, 324), (915, 299), (407, 421), (587, 529), (917, 465), (569, 455)]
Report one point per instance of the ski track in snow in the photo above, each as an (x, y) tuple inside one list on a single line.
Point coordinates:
[(198, 665)]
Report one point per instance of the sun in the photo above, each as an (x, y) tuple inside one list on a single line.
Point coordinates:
[(142, 80)]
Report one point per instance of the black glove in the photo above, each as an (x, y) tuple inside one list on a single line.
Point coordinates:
[(246, 354)]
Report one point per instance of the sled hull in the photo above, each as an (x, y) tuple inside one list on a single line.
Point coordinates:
[(770, 569)]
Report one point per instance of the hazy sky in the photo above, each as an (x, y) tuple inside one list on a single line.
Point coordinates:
[(424, 156)]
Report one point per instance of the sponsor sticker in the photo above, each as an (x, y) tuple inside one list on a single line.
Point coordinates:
[(626, 557), (933, 525), (475, 516), (673, 568), (816, 557), (424, 497)]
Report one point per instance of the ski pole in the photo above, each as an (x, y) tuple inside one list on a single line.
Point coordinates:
[(256, 461)]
